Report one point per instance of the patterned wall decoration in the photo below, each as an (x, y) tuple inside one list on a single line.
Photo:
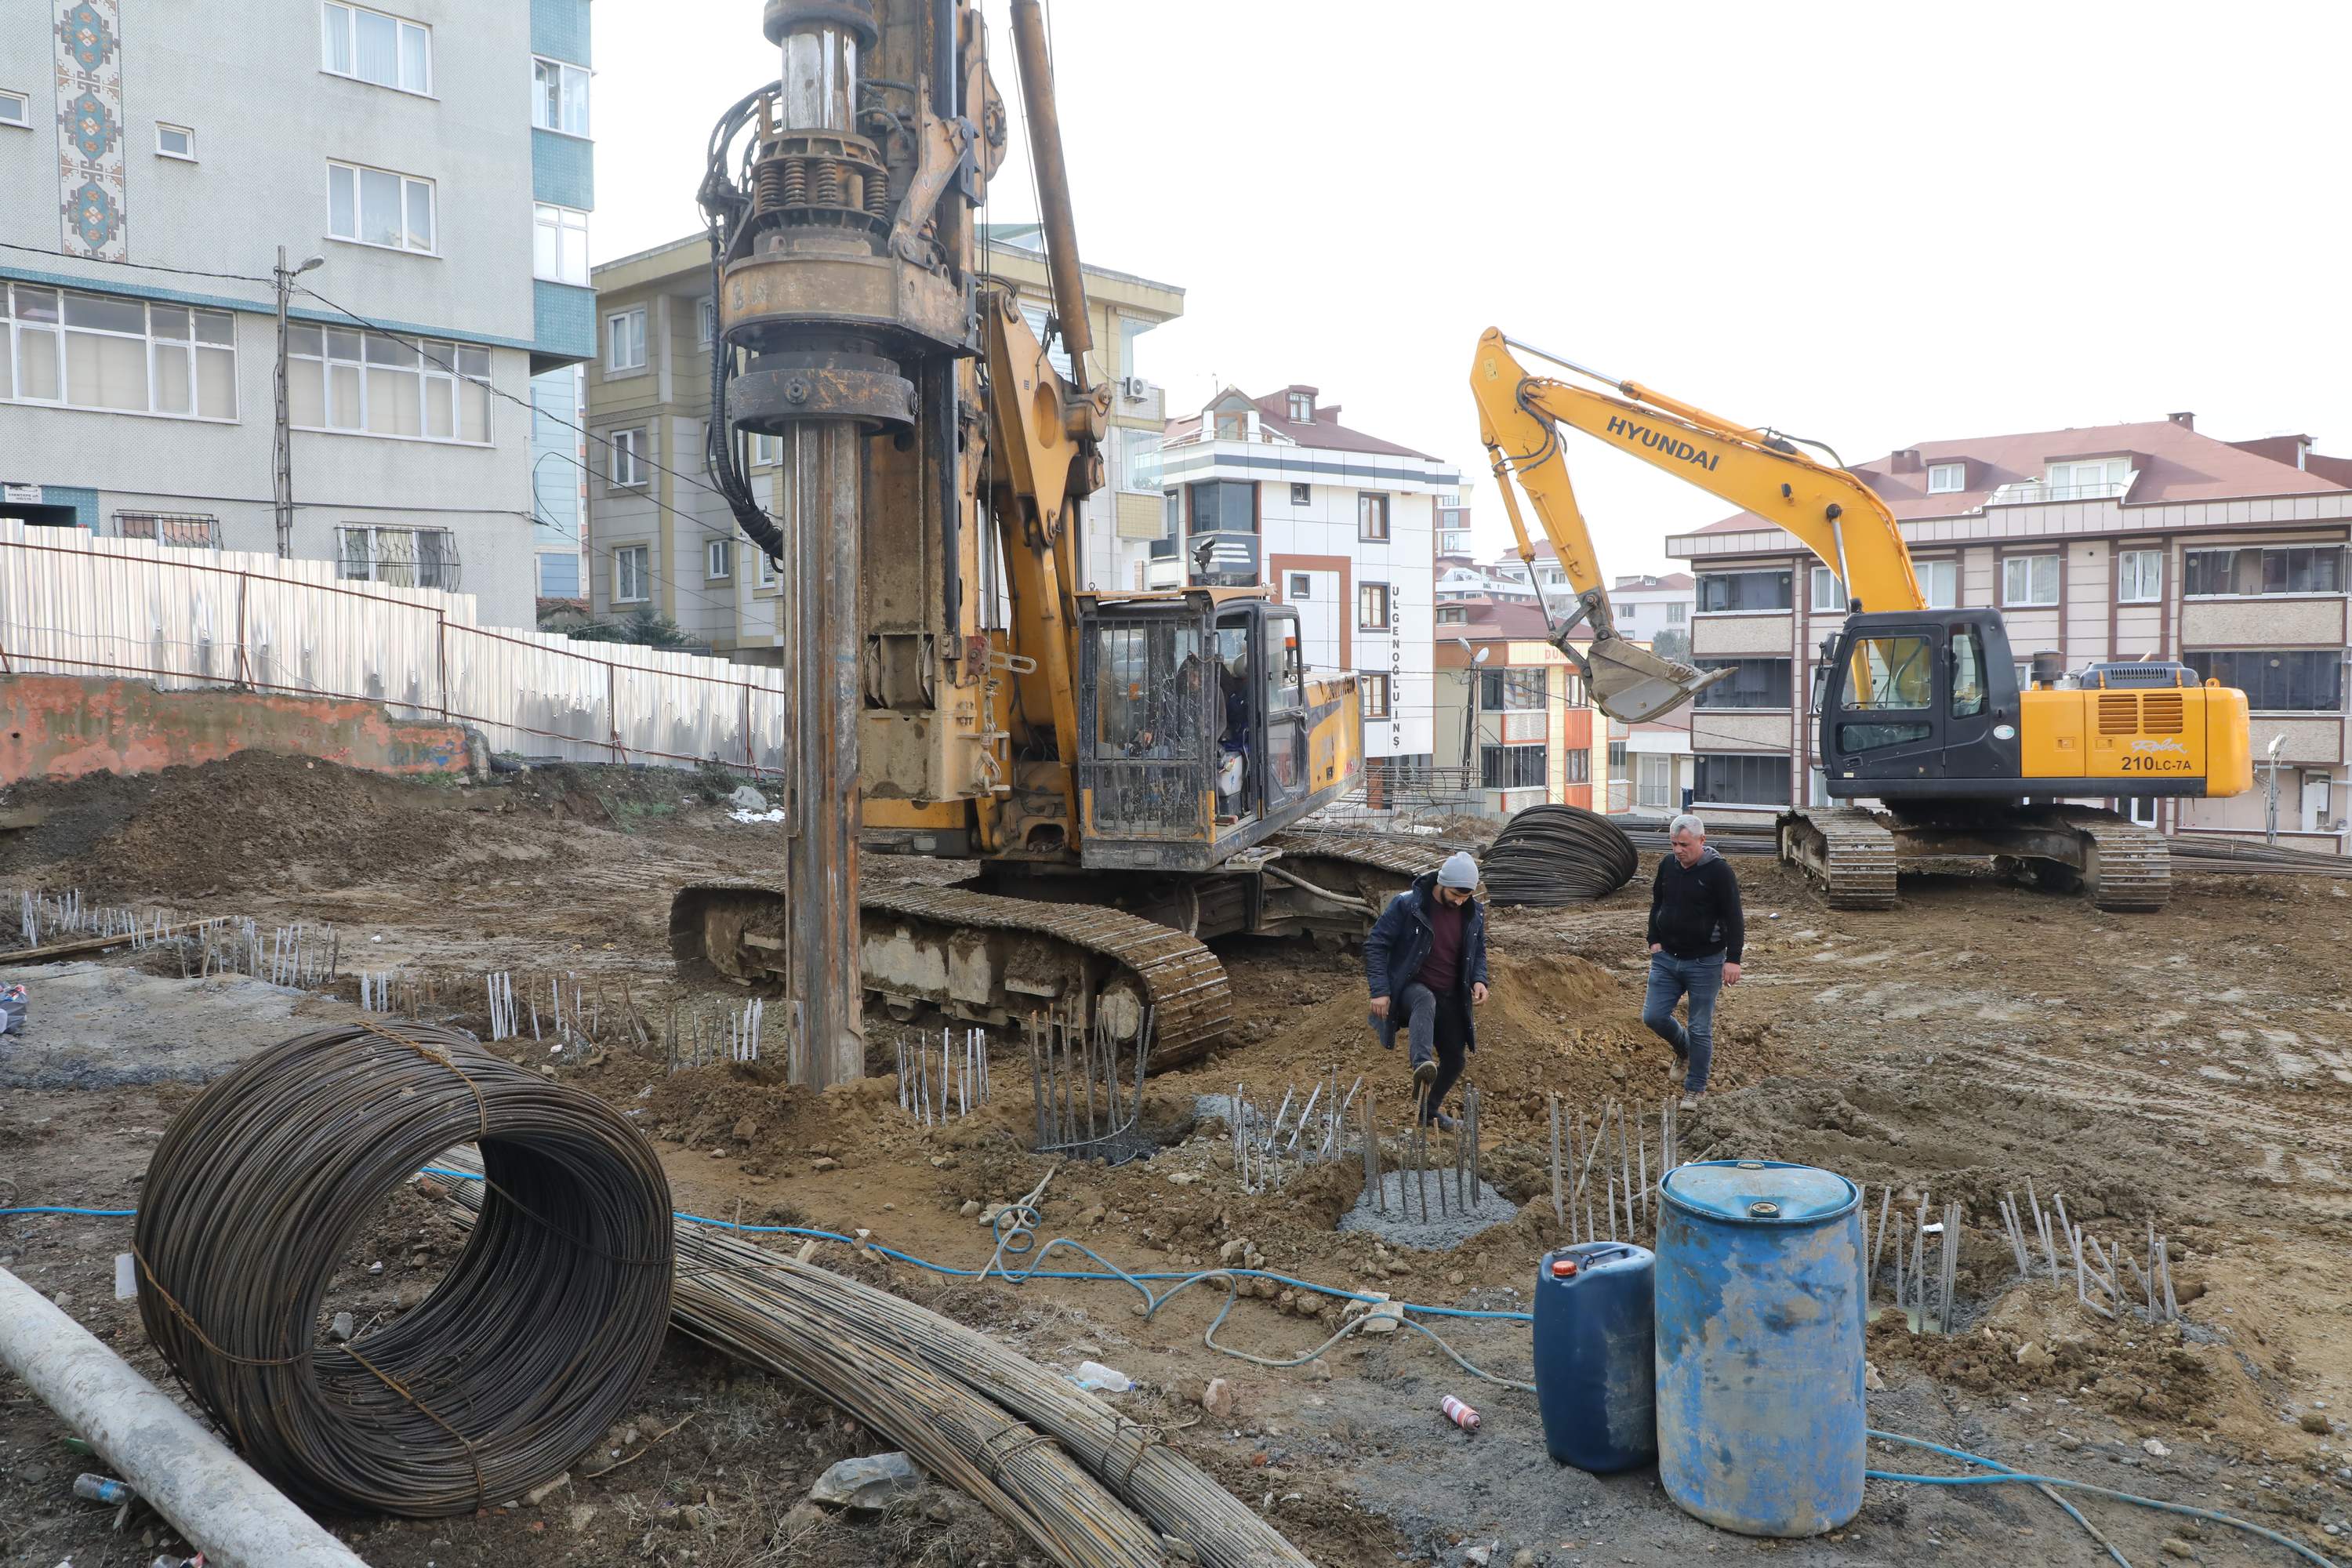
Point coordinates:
[(90, 129)]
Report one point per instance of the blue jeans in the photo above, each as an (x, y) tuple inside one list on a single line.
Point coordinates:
[(1670, 979)]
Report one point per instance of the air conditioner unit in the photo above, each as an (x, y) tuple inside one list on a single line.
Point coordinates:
[(1134, 388)]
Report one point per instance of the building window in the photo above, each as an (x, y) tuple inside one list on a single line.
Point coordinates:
[(1576, 766), (1829, 594), (1731, 778), (2246, 573), (1655, 787), (378, 385), (1753, 683), (1301, 587), (1617, 759), (1225, 506), (1944, 478), (2027, 580), (761, 451), (706, 323), (368, 46), (1372, 606), (560, 247), (1678, 614), (1139, 468), (1722, 593), (629, 563), (176, 142), (1302, 408), (1375, 688), (376, 206), (628, 458), (1511, 767), (1302, 495), (558, 97), (717, 558), (1939, 581), (404, 557), (2086, 481), (1232, 424), (2139, 577), (2300, 680), (763, 569), (1372, 517), (1510, 690), (94, 351), (1629, 613), (1452, 616), (624, 341), (179, 530), (16, 109)]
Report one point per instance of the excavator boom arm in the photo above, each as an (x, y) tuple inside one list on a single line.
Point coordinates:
[(1836, 516)]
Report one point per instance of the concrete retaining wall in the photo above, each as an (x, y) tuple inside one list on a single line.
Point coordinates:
[(57, 726)]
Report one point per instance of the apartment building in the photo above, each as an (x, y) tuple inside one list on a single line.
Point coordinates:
[(662, 536), (1514, 727), (2113, 541), (1275, 490), (1650, 602), (153, 162)]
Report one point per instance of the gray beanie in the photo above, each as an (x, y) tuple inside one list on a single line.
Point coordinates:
[(1459, 872)]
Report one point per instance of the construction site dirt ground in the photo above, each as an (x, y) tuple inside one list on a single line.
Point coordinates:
[(2193, 1066)]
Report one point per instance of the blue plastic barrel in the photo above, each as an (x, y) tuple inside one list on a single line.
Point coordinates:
[(1760, 1352), (1596, 1381)]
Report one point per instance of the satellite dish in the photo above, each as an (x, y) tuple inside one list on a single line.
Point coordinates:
[(1480, 656)]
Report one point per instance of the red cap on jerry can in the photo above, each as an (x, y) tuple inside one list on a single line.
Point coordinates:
[(1563, 1268)]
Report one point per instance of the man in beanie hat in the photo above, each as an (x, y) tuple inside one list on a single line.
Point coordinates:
[(1426, 964)]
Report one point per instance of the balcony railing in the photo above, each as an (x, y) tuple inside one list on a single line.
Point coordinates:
[(2033, 492)]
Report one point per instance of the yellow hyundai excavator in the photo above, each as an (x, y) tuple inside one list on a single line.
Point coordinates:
[(1121, 768), (1918, 710)]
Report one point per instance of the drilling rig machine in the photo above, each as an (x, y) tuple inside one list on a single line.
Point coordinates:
[(1127, 770)]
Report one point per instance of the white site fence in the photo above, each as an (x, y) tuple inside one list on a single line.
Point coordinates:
[(72, 603)]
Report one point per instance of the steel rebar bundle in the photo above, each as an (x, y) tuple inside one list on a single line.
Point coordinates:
[(1557, 855), (531, 1347), (1048, 1458)]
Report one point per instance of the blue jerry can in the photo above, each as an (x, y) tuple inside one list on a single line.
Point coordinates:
[(1595, 1380), (1760, 1346)]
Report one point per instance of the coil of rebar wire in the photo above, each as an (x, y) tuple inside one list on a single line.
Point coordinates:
[(531, 1347), (1557, 855)]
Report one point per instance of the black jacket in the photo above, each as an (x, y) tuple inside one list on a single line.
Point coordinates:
[(1400, 942), (1695, 913)]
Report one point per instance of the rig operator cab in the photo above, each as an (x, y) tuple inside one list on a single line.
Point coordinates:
[(1202, 733)]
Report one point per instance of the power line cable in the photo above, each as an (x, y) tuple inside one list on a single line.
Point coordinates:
[(140, 266)]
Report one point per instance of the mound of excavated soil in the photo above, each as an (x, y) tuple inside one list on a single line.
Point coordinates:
[(270, 821)]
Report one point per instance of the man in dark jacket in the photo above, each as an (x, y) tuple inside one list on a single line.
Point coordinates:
[(1426, 964), (1696, 934)]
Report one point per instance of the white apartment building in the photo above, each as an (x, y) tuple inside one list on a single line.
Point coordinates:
[(662, 536), (434, 156), (1275, 490), (1651, 603)]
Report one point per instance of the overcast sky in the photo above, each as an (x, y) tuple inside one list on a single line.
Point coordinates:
[(1875, 225)]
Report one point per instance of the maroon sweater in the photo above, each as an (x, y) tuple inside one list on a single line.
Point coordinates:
[(1441, 970)]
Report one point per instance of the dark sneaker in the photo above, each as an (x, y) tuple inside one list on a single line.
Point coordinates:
[(1424, 1073), (1443, 1122)]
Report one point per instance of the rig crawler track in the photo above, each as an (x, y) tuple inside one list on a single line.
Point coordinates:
[(980, 956), (1848, 851)]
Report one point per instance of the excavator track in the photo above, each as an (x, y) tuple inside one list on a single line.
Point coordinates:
[(2125, 868), (934, 944), (1845, 849)]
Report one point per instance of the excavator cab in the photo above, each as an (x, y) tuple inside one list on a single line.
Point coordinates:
[(1194, 718), (1919, 704)]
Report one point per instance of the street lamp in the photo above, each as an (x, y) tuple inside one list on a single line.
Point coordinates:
[(283, 483)]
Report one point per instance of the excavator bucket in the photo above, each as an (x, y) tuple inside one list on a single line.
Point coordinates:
[(1632, 685)]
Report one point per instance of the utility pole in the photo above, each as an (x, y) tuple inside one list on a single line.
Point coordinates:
[(283, 486)]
